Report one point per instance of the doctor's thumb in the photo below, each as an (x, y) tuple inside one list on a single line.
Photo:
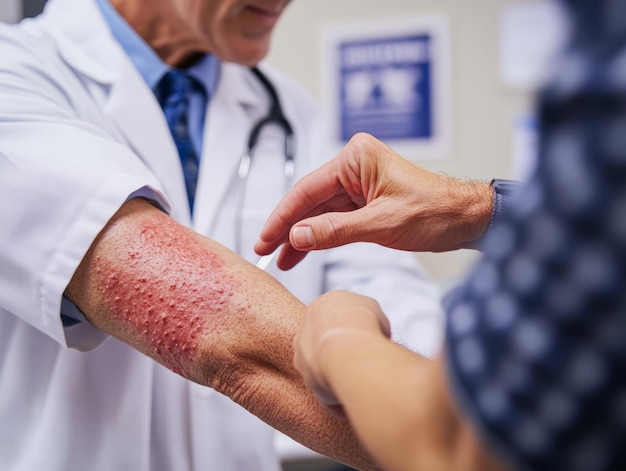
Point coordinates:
[(323, 232)]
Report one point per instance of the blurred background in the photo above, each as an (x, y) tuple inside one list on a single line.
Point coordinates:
[(490, 57), (498, 55), (495, 58)]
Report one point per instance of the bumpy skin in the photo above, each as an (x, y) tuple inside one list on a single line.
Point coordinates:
[(198, 309)]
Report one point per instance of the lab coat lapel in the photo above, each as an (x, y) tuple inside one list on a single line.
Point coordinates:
[(129, 103), (234, 105), (87, 45), (135, 110)]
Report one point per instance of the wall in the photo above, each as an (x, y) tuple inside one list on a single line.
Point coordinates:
[(483, 109), (10, 10)]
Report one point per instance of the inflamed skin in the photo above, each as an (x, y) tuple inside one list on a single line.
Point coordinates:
[(161, 301), (172, 294), (210, 316)]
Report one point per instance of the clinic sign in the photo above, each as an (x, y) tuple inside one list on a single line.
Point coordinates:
[(391, 81), (386, 88)]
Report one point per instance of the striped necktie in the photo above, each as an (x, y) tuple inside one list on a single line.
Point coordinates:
[(175, 90)]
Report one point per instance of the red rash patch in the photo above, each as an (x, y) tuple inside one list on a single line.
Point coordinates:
[(169, 279)]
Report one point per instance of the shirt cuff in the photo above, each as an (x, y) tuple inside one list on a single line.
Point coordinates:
[(503, 191), (70, 314)]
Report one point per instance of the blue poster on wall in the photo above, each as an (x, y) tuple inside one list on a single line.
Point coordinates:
[(385, 87)]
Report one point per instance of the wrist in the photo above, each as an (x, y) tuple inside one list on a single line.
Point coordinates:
[(475, 212), (344, 350)]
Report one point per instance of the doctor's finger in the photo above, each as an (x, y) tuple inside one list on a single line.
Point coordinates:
[(334, 229), (307, 198), (277, 230), (289, 257)]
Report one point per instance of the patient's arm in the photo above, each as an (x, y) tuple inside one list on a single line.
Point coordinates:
[(192, 305)]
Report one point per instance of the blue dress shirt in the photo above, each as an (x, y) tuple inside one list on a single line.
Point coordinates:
[(152, 69)]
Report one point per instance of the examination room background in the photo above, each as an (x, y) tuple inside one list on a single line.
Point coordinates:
[(485, 110)]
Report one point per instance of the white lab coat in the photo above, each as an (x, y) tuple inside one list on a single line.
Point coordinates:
[(79, 133)]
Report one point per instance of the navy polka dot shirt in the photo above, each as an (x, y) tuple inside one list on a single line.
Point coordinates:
[(536, 337)]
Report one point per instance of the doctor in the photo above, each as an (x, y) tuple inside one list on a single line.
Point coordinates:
[(107, 241)]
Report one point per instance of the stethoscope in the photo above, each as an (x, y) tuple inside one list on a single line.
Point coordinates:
[(275, 116)]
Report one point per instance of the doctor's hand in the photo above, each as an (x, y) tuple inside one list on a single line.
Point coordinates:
[(369, 193), (330, 321)]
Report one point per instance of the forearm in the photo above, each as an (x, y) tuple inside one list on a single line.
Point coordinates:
[(399, 405), (379, 383), (478, 211), (203, 312), (158, 287), (465, 208)]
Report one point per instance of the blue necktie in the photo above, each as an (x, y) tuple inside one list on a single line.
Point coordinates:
[(175, 90)]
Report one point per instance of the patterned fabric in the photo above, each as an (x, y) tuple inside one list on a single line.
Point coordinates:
[(175, 89), (536, 338)]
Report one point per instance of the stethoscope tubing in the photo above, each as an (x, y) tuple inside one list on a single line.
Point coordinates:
[(275, 116)]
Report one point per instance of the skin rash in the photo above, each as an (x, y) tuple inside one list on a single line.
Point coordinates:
[(161, 305), (198, 309)]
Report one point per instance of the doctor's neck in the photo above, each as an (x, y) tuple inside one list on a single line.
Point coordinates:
[(160, 26), (181, 32)]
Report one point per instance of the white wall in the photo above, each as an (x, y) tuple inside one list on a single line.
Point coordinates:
[(483, 109), (10, 10)]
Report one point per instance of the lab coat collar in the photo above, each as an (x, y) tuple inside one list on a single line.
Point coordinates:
[(87, 45), (79, 31)]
